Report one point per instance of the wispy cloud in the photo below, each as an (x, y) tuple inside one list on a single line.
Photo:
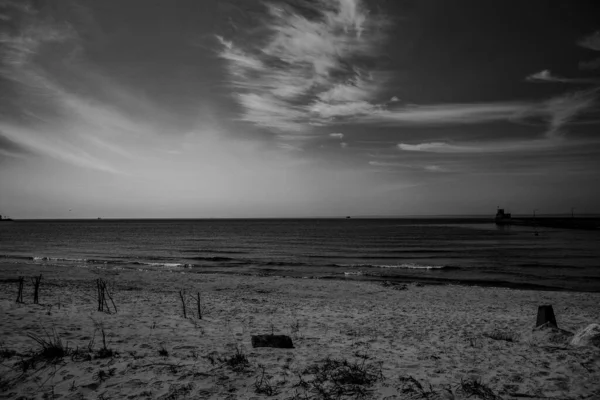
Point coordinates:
[(478, 148), (564, 109), (561, 110), (557, 112), (439, 147), (544, 76), (547, 76), (311, 65), (54, 117), (470, 113), (337, 135), (52, 146), (591, 42), (403, 165)]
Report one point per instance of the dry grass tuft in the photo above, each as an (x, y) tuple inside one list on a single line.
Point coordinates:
[(238, 362), (415, 390), (262, 385), (474, 387), (332, 379), (51, 347)]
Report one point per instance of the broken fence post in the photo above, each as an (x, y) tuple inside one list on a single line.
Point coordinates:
[(546, 315)]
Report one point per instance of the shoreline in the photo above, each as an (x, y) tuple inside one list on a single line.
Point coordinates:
[(438, 335), (358, 276)]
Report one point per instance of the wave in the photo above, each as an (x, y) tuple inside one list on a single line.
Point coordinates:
[(284, 263), (35, 258), (353, 273), (100, 261), (213, 251), (400, 266), (167, 265), (215, 258), (112, 262), (407, 255)]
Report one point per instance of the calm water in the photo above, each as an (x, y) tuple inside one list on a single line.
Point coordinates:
[(453, 251)]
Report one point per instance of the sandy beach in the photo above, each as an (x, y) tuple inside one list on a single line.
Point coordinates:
[(407, 342)]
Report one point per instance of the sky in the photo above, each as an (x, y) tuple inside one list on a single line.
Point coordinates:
[(298, 108)]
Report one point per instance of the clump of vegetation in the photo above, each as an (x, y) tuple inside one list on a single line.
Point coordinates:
[(331, 378), (51, 347), (163, 352), (238, 362), (104, 351), (86, 354), (262, 385), (414, 388), (103, 375), (474, 387), (507, 336)]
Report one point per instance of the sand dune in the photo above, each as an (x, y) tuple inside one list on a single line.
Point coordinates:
[(438, 335)]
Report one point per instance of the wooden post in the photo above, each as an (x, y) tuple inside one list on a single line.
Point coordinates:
[(199, 308), (102, 294), (545, 315), (20, 292), (181, 294), (36, 280)]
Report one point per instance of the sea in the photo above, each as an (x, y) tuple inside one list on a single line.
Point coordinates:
[(458, 251)]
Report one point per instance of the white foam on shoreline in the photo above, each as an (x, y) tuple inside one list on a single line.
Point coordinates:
[(401, 266)]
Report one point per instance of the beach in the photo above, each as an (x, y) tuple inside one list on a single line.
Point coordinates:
[(444, 337)]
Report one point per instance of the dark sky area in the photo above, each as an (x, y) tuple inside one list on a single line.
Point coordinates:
[(296, 108)]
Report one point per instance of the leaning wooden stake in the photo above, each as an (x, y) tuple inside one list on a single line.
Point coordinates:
[(20, 293), (36, 280), (199, 307), (181, 294), (110, 298)]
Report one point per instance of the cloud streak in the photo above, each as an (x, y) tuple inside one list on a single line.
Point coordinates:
[(310, 66), (54, 147), (478, 148), (469, 113), (402, 165), (557, 112), (54, 117), (591, 42), (546, 76)]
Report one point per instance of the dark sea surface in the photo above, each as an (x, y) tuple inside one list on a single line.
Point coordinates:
[(459, 251)]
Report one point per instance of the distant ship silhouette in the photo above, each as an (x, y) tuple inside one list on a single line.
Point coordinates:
[(502, 217)]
